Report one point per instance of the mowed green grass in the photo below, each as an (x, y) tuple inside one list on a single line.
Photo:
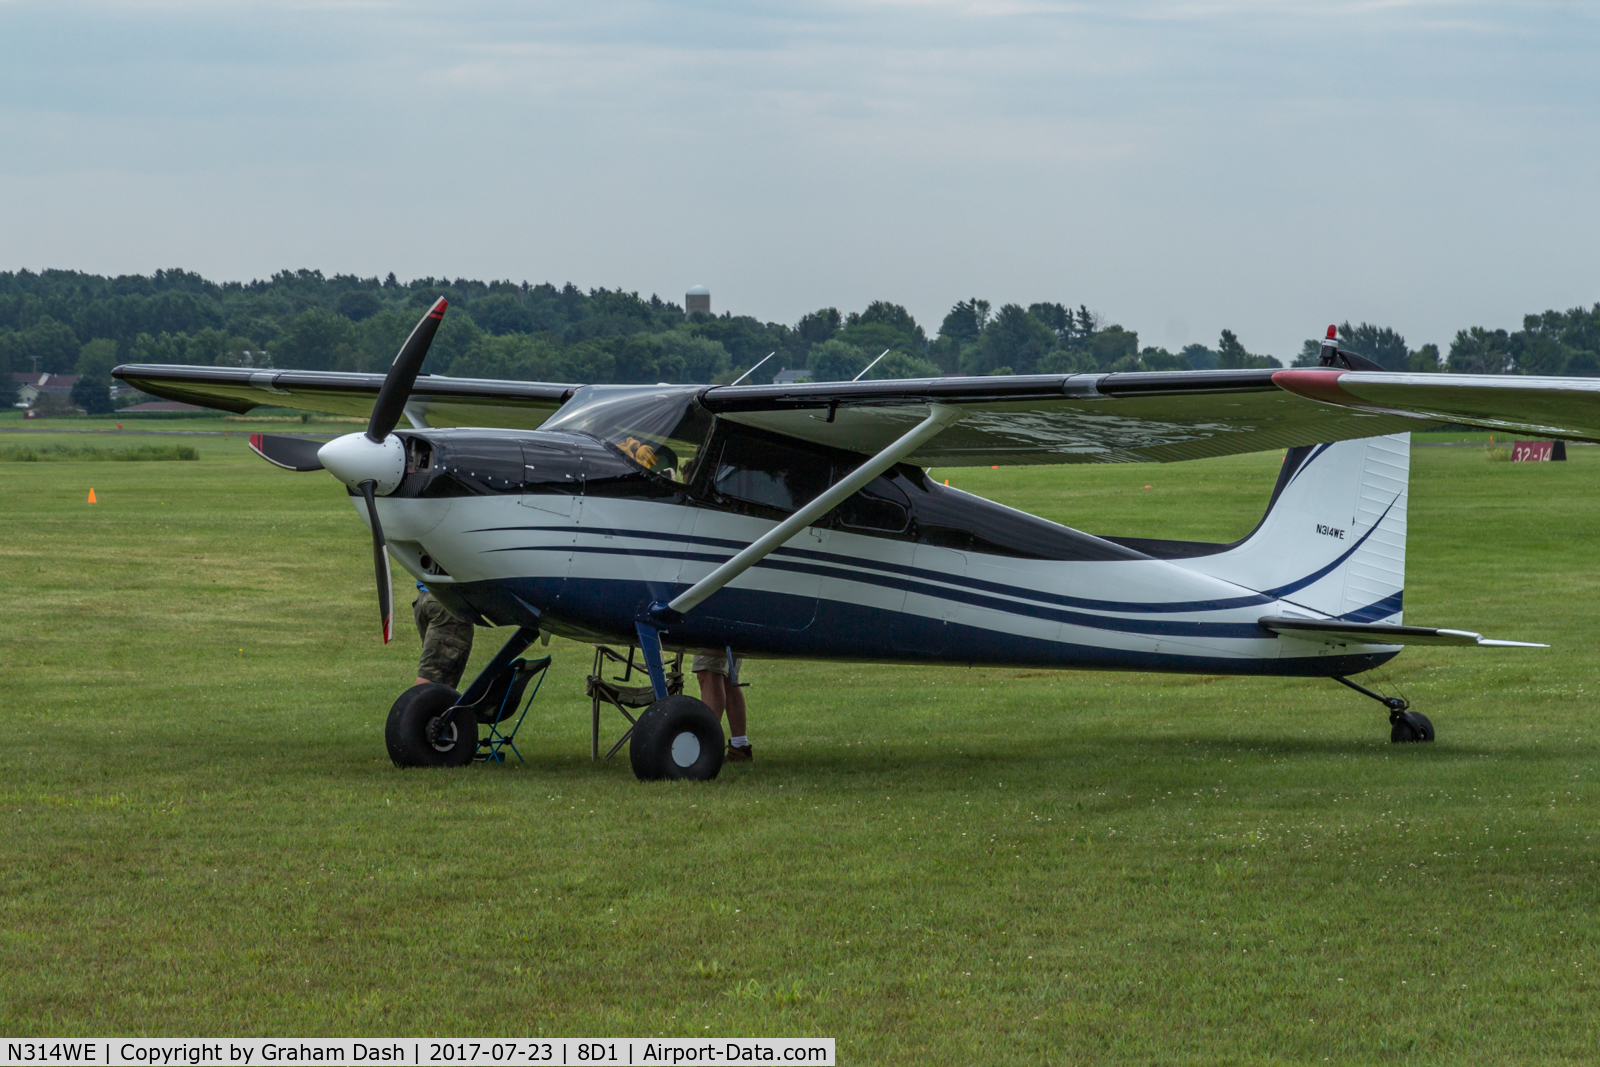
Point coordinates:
[(200, 832)]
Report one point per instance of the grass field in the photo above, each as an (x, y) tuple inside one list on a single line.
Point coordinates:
[(200, 832)]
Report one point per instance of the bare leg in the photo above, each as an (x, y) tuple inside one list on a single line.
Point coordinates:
[(734, 697), (711, 690)]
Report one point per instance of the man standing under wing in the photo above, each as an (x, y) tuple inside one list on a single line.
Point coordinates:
[(719, 688)]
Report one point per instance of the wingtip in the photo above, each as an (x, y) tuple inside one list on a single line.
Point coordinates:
[(1315, 384)]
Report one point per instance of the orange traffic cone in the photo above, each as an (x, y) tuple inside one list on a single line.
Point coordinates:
[(91, 495)]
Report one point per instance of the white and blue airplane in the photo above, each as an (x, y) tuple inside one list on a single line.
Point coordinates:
[(799, 520)]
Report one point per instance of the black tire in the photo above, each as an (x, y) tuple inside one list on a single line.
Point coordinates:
[(1410, 727), (678, 737), (422, 732)]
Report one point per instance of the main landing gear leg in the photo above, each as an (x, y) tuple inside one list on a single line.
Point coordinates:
[(1404, 725)]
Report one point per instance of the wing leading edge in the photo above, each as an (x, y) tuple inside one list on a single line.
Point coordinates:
[(437, 400)]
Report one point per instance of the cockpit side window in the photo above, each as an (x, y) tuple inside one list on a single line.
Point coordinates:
[(659, 429)]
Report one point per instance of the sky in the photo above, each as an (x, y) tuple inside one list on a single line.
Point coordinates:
[(1179, 167)]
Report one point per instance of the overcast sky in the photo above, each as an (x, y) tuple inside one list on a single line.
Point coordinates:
[(1179, 167)]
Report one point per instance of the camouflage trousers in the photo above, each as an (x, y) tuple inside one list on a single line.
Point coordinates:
[(446, 641)]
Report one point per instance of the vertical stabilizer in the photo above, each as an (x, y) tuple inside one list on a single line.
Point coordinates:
[(1334, 536)]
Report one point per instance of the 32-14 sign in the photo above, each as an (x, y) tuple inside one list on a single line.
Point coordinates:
[(1538, 451)]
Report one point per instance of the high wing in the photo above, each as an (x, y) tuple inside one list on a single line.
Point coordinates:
[(1077, 418), (435, 400), (1019, 419)]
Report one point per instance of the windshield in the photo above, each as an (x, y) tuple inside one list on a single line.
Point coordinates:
[(661, 427)]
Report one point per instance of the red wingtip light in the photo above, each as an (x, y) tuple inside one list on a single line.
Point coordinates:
[(1332, 332)]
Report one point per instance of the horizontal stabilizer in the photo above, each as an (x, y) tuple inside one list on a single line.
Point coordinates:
[(290, 453), (1380, 633)]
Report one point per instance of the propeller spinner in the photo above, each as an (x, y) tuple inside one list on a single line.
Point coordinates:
[(372, 462)]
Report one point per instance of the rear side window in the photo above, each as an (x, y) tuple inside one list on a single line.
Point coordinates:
[(880, 507)]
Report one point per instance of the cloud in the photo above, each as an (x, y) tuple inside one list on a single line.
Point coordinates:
[(1263, 166)]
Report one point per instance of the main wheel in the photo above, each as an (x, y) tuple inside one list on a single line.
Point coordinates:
[(678, 737), (1410, 726), (423, 732)]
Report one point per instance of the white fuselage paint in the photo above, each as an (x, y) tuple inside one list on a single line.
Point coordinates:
[(661, 548)]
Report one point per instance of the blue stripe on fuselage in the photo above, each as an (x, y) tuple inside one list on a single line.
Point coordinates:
[(1168, 628), (859, 632), (834, 558)]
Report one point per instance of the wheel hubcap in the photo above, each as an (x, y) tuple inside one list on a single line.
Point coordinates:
[(442, 736), (685, 749)]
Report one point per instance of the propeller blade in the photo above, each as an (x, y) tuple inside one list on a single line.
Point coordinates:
[(290, 453), (403, 374), (380, 562)]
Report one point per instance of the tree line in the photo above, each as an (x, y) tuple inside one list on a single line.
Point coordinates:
[(70, 322)]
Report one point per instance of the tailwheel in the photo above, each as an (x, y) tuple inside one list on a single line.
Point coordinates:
[(679, 737), (1409, 726), (426, 729), (1405, 726)]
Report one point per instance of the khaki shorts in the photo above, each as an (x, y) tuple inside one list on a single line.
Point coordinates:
[(715, 661), (446, 642)]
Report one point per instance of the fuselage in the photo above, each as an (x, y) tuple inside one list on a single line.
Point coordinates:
[(574, 534)]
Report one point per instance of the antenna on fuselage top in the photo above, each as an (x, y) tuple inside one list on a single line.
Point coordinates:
[(752, 370), (869, 366)]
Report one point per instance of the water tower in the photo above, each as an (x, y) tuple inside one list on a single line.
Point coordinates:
[(697, 299)]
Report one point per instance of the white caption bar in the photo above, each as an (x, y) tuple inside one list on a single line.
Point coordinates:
[(565, 1051)]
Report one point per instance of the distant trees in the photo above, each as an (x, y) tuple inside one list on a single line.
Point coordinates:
[(97, 358), (355, 305), (316, 339), (1014, 338), (1231, 355), (819, 326), (1382, 345), (1551, 343), (65, 321), (836, 361), (1480, 351), (93, 395), (47, 346)]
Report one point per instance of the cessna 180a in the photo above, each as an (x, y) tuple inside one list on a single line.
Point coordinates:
[(799, 520)]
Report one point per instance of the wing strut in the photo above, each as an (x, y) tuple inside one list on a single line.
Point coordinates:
[(939, 416)]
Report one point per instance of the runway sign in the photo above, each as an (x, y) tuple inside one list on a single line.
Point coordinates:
[(1538, 451)]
